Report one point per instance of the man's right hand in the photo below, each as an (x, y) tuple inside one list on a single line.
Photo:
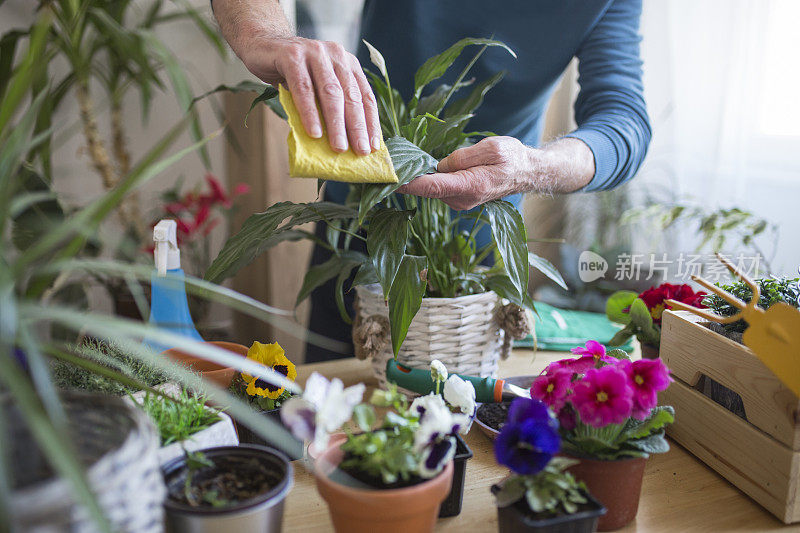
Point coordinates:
[(326, 70)]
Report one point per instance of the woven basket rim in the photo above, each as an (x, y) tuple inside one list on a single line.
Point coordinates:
[(374, 289)]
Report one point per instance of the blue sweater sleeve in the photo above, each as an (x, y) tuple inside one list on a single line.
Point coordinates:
[(610, 109)]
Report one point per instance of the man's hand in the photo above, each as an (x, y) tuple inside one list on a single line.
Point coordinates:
[(497, 167), (259, 34)]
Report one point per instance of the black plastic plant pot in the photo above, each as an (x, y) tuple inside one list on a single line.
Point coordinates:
[(518, 517), (262, 512), (451, 506), (292, 449)]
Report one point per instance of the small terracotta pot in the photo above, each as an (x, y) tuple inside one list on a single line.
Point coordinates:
[(649, 351), (615, 484), (217, 374), (356, 510)]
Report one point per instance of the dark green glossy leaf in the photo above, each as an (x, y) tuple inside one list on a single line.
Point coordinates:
[(437, 65), (409, 162), (386, 243), (366, 275), (503, 287), (508, 230), (258, 231), (267, 97), (434, 102), (317, 275), (405, 297), (547, 268)]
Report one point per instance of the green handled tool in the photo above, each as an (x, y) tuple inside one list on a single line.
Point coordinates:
[(487, 390)]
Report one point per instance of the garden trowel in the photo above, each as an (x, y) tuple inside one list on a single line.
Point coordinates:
[(487, 390), (773, 335)]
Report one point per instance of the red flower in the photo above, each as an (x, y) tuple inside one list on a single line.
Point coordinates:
[(218, 194), (241, 189), (655, 297), (552, 389)]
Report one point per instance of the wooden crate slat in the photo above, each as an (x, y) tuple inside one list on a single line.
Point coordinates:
[(763, 468), (690, 350)]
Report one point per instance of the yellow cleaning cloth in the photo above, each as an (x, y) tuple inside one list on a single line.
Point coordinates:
[(314, 158)]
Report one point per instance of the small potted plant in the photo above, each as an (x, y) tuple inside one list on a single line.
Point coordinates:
[(262, 396), (539, 496), (641, 313), (186, 422), (392, 474), (458, 394), (607, 407), (228, 488)]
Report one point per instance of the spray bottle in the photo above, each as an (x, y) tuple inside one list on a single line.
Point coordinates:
[(169, 309)]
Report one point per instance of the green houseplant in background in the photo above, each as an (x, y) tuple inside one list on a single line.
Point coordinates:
[(415, 251), (39, 422), (110, 51)]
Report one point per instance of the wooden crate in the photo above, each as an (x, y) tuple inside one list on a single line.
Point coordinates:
[(760, 455)]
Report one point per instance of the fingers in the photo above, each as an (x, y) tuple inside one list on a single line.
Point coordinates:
[(488, 151), (324, 72), (370, 107), (437, 186)]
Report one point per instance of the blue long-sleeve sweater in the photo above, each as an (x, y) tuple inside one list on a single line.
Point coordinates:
[(546, 34)]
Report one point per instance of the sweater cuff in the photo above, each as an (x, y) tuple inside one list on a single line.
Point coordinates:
[(605, 157)]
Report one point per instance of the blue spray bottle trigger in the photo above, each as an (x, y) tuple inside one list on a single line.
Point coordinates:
[(169, 308)]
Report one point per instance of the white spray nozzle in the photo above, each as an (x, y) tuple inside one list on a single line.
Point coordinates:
[(167, 254)]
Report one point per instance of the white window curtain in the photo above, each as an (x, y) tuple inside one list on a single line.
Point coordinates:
[(721, 82)]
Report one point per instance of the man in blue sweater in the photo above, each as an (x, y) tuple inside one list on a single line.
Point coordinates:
[(604, 151)]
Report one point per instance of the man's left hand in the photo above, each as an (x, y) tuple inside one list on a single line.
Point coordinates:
[(492, 168)]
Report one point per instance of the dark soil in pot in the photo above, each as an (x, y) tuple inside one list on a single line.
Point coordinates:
[(494, 415), (240, 477), (520, 517)]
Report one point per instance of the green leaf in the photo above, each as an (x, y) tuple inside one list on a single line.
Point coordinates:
[(547, 268), (445, 136), (434, 102), (470, 103), (655, 443), (617, 353), (245, 86), (364, 415), (409, 162), (640, 315), (386, 243), (437, 65), (511, 491), (366, 275), (618, 306), (268, 98), (622, 336), (258, 233), (405, 297), (502, 285), (317, 275), (508, 230), (659, 417)]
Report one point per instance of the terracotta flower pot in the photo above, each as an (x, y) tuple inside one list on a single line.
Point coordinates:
[(217, 374), (649, 351), (357, 510), (615, 484)]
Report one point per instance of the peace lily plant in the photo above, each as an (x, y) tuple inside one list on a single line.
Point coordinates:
[(414, 246)]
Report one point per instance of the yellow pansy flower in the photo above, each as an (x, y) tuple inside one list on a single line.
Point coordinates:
[(272, 356)]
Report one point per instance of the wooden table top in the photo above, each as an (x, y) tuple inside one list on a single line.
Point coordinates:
[(680, 493)]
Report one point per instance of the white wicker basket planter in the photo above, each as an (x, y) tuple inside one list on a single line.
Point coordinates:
[(118, 443), (461, 332)]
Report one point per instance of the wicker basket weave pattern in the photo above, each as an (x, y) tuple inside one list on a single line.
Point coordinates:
[(118, 443), (461, 332)]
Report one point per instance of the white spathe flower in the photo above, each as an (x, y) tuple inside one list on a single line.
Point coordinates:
[(461, 394), (322, 409), (438, 371), (376, 57)]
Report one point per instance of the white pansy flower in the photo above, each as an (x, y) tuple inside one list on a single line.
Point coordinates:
[(461, 394), (322, 409), (438, 371)]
